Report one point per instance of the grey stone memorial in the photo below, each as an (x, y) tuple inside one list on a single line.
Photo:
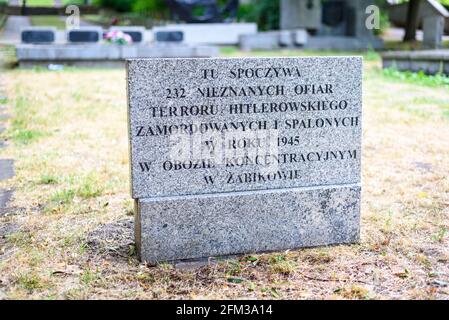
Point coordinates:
[(246, 155), (38, 35), (434, 15), (169, 36), (85, 35)]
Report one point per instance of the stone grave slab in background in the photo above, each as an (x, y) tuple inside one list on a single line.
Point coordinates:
[(168, 36), (210, 33), (428, 61), (38, 35), (104, 55), (85, 34), (135, 32), (240, 155)]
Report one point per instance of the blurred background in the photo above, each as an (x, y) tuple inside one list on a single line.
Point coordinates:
[(43, 32)]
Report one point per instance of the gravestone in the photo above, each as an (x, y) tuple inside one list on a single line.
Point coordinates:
[(244, 155), (434, 15), (300, 14), (136, 33), (85, 35), (38, 35), (210, 33), (168, 36), (329, 24)]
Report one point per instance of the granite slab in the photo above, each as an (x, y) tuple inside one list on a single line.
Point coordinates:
[(202, 126), (189, 227)]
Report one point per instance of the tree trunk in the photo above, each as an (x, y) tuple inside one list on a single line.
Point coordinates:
[(412, 20)]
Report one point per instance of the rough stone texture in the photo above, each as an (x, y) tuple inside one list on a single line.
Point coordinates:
[(250, 207), (189, 227), (149, 79)]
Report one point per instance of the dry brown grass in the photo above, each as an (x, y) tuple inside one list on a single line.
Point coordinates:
[(70, 233)]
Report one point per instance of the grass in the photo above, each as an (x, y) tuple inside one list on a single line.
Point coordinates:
[(417, 77), (369, 55), (414, 45), (73, 208), (51, 3), (7, 56), (2, 20), (48, 21)]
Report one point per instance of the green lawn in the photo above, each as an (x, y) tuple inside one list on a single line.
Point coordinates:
[(45, 21), (50, 3)]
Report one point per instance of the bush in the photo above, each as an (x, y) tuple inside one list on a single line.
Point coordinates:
[(154, 7), (266, 13), (117, 5)]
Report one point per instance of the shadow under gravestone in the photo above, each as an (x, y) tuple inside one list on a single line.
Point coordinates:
[(6, 172), (114, 240)]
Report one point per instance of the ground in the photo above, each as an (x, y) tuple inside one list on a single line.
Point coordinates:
[(68, 234)]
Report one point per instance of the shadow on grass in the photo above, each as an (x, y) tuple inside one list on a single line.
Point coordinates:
[(113, 241)]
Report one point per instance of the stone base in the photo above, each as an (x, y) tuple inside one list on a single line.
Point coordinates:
[(274, 40), (343, 43), (104, 55), (190, 227), (428, 61)]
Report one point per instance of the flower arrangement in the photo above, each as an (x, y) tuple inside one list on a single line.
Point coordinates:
[(118, 37)]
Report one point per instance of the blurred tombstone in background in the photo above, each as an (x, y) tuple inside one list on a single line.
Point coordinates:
[(38, 35), (301, 15), (85, 35), (206, 22), (319, 25), (169, 36), (203, 11), (434, 16)]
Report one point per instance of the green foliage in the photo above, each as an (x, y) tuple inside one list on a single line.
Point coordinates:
[(64, 196), (444, 2), (29, 281), (384, 19), (416, 77), (117, 5), (48, 179), (266, 13), (20, 130), (49, 3), (156, 8)]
